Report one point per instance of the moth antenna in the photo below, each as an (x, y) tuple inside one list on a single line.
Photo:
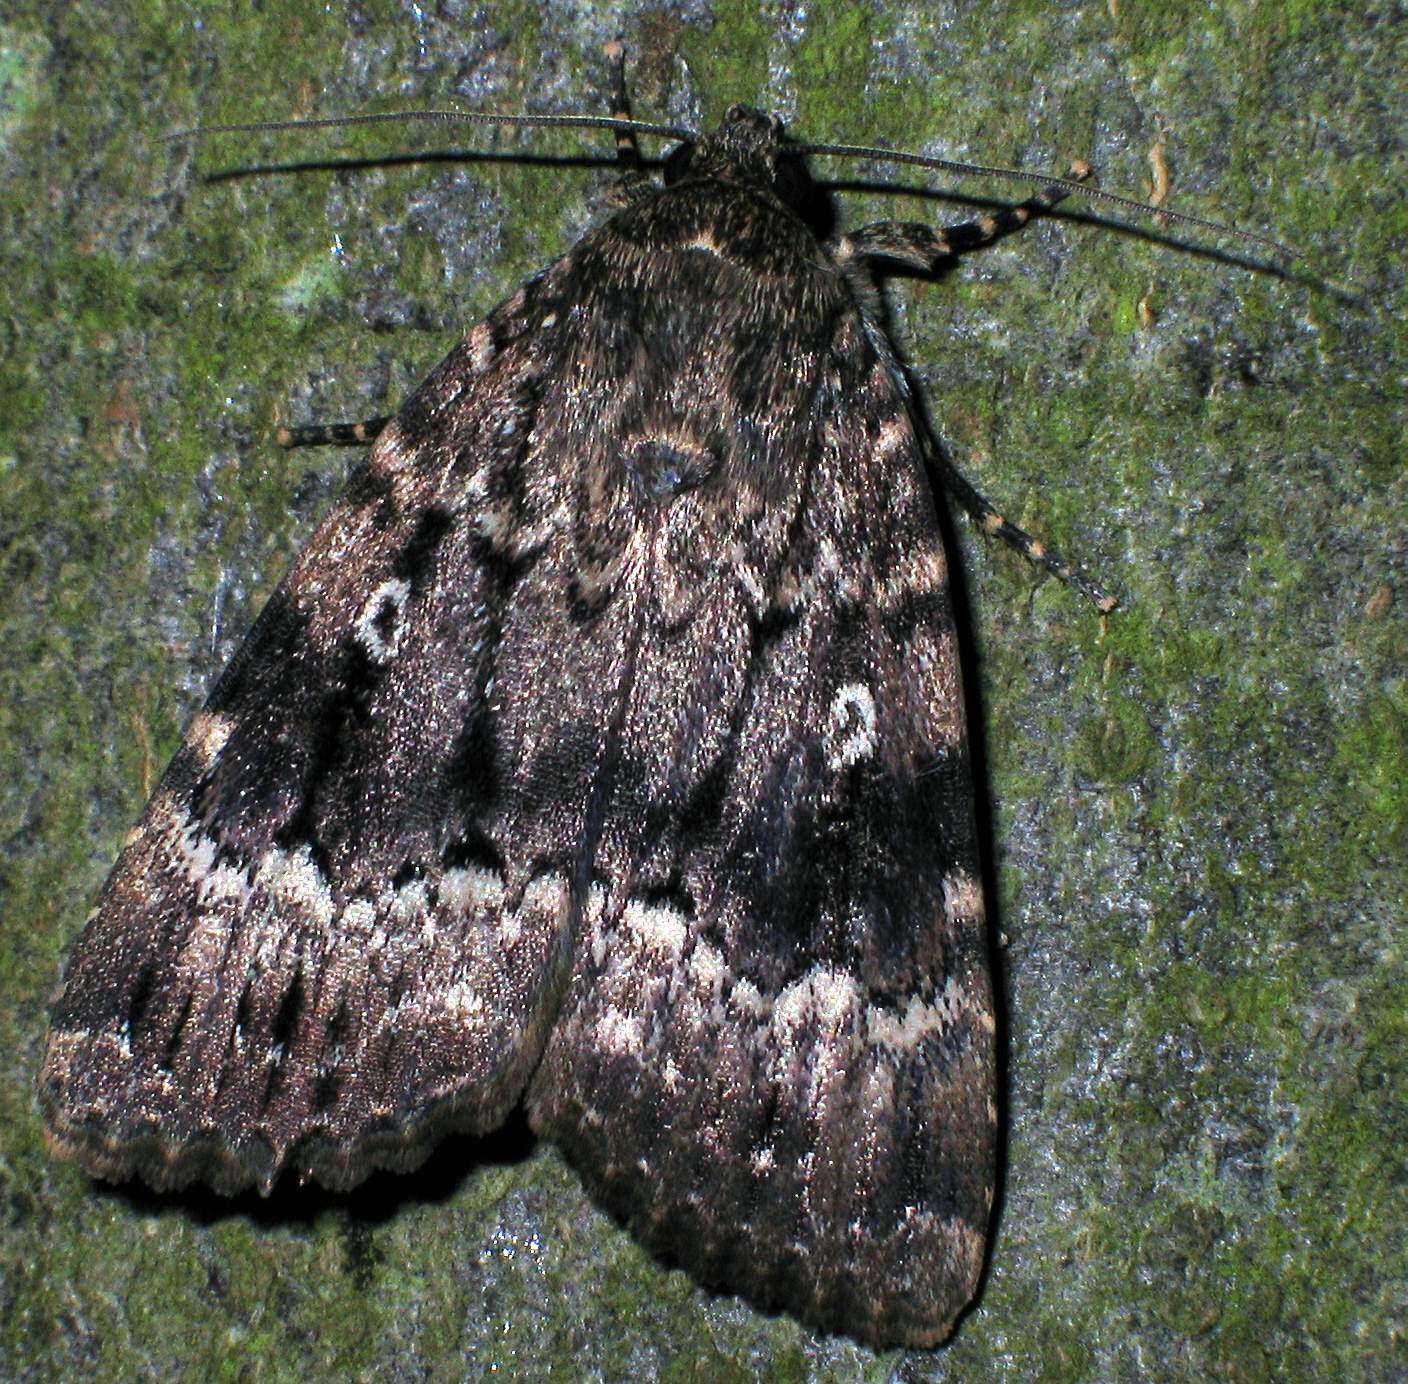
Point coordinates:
[(1129, 204), (586, 122), (627, 151)]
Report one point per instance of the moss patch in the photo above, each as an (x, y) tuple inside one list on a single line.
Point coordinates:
[(1197, 813)]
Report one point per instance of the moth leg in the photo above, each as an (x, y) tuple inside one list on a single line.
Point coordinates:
[(927, 248), (627, 150), (332, 434), (633, 181), (985, 514)]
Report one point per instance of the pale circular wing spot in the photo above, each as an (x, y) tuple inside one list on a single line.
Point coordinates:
[(850, 734), (378, 627)]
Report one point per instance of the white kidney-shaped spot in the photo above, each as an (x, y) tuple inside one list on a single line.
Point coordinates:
[(378, 628), (850, 734)]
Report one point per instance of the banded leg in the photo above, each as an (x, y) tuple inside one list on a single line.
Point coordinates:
[(925, 250), (627, 150), (633, 181), (985, 514), (632, 178), (332, 434)]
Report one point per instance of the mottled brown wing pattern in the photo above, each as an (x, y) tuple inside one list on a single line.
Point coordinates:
[(775, 1055), (606, 742), (340, 924)]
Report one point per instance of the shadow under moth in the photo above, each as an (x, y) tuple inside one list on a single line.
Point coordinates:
[(603, 750)]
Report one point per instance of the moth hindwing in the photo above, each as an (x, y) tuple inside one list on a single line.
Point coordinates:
[(603, 750)]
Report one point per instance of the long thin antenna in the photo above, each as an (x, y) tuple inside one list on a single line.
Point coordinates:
[(621, 124), (586, 122), (981, 170)]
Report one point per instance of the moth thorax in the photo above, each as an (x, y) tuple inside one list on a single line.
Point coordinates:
[(748, 147)]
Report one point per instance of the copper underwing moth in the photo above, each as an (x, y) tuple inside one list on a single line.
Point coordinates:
[(604, 750)]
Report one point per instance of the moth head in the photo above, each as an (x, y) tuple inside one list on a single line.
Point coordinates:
[(750, 146)]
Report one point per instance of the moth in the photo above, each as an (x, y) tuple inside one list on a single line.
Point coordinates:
[(604, 750)]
